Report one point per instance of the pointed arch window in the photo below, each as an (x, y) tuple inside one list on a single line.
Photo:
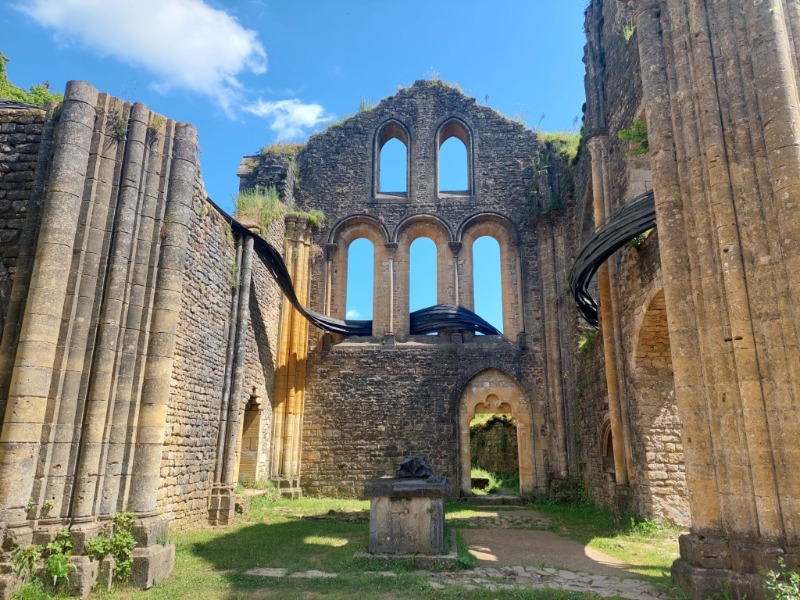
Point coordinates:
[(422, 274), (488, 292), (391, 160), (360, 280), (454, 159)]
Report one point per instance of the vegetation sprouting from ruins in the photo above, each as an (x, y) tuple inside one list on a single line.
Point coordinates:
[(261, 207), (366, 104), (782, 583), (117, 543), (39, 94), (44, 567), (565, 143), (265, 207), (636, 136), (637, 242), (628, 29), (287, 150), (586, 342)]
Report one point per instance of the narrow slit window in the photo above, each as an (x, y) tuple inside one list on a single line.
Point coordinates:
[(422, 274), (487, 281), (360, 280)]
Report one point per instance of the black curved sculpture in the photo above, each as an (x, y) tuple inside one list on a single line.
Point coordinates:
[(636, 217), (442, 317)]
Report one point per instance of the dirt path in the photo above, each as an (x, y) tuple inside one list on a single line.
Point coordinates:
[(501, 542)]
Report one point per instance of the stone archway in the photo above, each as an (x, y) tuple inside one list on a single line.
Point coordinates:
[(492, 391), (657, 445)]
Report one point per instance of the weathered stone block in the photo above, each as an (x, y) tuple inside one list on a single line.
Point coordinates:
[(152, 564), (406, 516)]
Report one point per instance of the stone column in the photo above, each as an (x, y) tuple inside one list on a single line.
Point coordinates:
[(552, 353), (455, 248), (721, 92), (293, 349), (281, 385), (297, 359), (221, 503), (236, 400), (104, 369), (391, 249), (26, 408), (597, 146), (689, 378), (330, 252), (150, 428)]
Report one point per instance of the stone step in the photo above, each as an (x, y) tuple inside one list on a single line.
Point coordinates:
[(495, 500)]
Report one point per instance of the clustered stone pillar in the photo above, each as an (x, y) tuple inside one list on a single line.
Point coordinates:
[(223, 499), (290, 374), (597, 147), (86, 399), (723, 119), (37, 346)]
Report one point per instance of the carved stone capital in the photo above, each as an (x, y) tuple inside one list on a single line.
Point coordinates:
[(455, 247), (597, 145)]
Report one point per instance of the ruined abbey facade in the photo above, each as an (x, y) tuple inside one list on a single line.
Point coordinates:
[(149, 360)]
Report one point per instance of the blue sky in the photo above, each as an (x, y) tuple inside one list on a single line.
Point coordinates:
[(250, 72)]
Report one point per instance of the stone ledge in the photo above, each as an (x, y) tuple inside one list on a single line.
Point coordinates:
[(395, 487)]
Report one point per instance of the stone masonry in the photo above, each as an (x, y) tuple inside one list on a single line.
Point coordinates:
[(148, 361)]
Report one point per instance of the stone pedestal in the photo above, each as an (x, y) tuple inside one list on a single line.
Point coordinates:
[(221, 505), (406, 516)]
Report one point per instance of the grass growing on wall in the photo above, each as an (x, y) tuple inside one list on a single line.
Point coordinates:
[(565, 143), (263, 208)]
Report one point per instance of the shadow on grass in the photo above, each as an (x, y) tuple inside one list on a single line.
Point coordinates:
[(299, 545), (218, 562)]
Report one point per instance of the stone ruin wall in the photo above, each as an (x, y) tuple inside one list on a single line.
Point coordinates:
[(360, 395), (187, 465), (189, 453), (369, 405), (21, 131)]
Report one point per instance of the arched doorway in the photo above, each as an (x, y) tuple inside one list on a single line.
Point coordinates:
[(494, 392), (658, 448)]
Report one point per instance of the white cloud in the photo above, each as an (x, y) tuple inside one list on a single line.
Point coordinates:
[(290, 119), (352, 314), (183, 43)]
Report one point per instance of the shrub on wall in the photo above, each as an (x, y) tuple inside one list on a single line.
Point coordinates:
[(39, 94)]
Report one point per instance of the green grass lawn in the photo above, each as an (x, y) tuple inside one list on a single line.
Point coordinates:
[(301, 535)]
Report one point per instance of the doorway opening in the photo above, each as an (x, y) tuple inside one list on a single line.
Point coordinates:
[(495, 454), (495, 397)]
